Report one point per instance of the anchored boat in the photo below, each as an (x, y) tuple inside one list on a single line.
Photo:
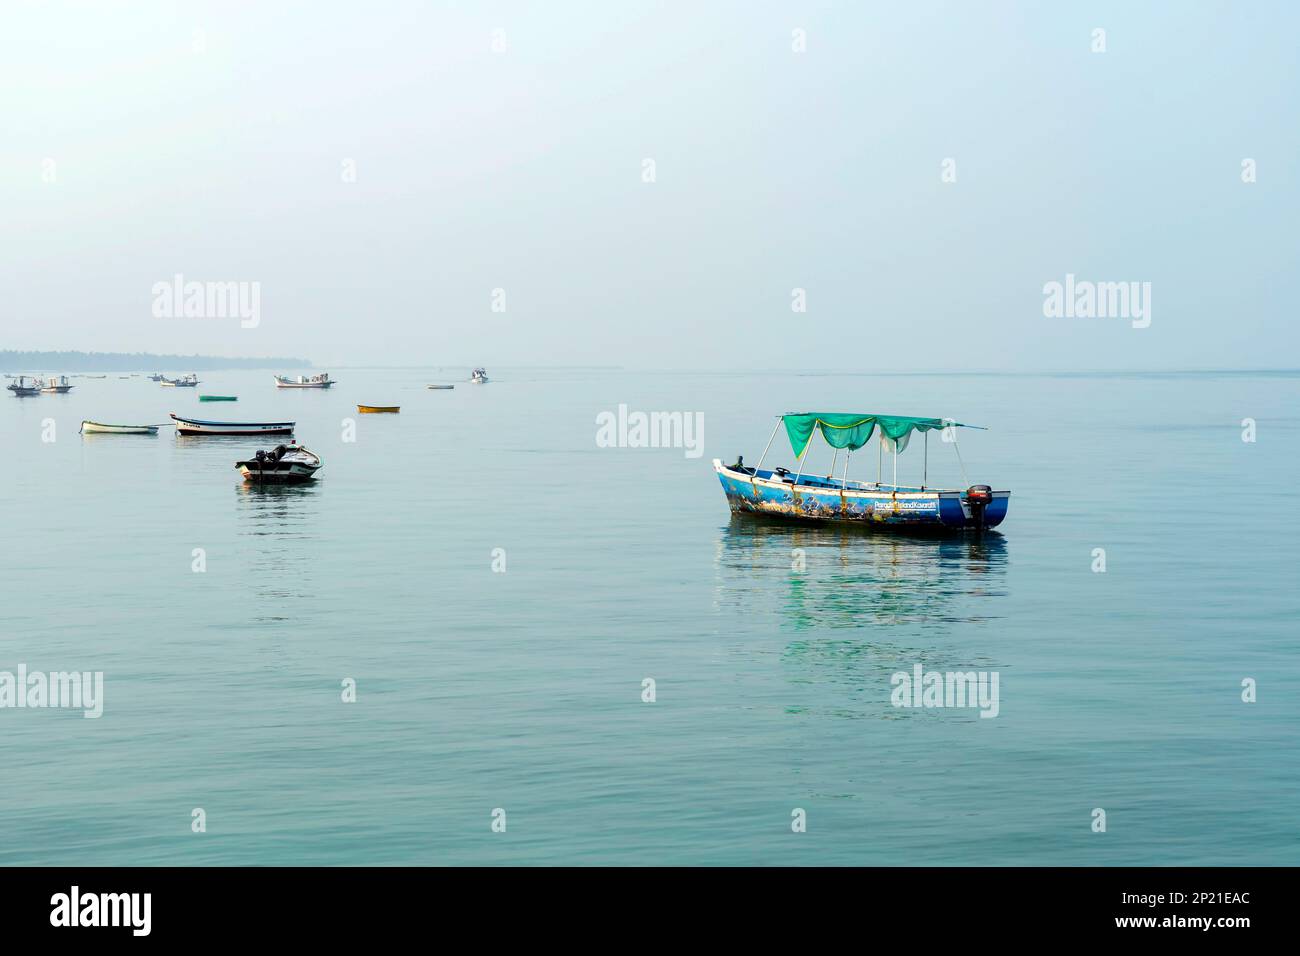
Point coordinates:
[(57, 385), (23, 386), (194, 426), (322, 380), (440, 386), (218, 398), (378, 409), (801, 496), (185, 381), (479, 377), (284, 464), (99, 428)]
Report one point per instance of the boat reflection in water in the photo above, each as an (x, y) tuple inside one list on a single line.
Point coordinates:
[(277, 523), (864, 607), (841, 575)]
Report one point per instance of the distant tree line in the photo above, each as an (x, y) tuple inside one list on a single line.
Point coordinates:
[(11, 361)]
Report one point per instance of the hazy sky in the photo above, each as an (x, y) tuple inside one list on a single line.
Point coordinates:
[(141, 140)]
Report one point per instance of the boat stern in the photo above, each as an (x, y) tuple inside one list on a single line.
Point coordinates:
[(955, 509)]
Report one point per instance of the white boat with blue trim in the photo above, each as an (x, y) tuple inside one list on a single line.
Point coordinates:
[(196, 426)]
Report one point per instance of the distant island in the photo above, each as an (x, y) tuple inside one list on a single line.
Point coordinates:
[(11, 361)]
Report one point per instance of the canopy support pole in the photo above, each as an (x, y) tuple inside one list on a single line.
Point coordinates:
[(768, 445), (895, 467), (925, 471), (834, 458), (847, 456), (880, 450), (806, 449)]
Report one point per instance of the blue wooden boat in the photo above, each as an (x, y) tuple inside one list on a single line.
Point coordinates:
[(796, 495)]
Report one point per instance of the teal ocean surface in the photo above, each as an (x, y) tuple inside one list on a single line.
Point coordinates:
[(479, 689)]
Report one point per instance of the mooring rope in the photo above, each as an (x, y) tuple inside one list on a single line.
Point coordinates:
[(964, 477)]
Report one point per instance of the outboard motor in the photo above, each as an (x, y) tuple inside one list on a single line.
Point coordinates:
[(978, 498)]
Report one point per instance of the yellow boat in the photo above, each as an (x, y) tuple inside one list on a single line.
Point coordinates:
[(376, 409)]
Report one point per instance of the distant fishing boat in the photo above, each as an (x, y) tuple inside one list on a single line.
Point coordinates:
[(801, 496), (218, 398), (57, 385), (94, 376), (155, 377), (194, 426), (480, 376), (439, 386), (284, 464), (322, 380), (378, 409), (185, 381), (99, 428), (24, 386)]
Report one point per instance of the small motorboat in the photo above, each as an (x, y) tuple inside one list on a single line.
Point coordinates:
[(479, 377), (94, 376), (439, 386), (185, 381), (284, 464), (57, 385), (378, 409), (99, 428), (801, 496), (195, 426), (218, 398), (156, 377), (322, 380), (24, 386)]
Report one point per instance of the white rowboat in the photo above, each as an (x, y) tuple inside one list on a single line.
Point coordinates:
[(99, 428)]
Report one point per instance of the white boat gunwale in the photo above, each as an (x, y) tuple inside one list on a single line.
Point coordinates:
[(851, 489)]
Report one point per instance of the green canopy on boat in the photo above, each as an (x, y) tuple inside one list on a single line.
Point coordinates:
[(845, 430)]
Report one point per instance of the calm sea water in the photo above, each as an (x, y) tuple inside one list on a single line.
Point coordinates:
[(522, 690)]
